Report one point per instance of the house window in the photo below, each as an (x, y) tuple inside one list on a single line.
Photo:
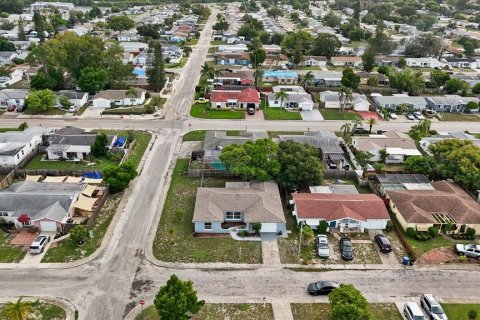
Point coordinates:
[(3, 214), (207, 226), (233, 216), (345, 220)]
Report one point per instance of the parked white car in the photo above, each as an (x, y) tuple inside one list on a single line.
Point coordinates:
[(39, 244), (418, 115), (393, 115), (322, 246), (413, 312)]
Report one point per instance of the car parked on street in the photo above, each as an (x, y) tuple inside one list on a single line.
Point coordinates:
[(346, 248), (418, 115), (469, 250), (322, 246), (322, 287), (432, 307), (360, 130), (393, 115), (412, 311), (383, 243), (410, 116), (428, 113), (39, 244)]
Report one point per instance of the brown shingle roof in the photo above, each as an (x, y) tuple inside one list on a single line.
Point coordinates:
[(417, 206), (338, 206)]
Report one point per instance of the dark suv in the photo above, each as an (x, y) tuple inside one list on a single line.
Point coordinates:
[(346, 248), (360, 131), (383, 243)]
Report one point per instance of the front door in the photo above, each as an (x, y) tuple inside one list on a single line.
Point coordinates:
[(333, 224)]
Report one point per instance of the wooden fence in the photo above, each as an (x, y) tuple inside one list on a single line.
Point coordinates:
[(98, 208), (7, 180)]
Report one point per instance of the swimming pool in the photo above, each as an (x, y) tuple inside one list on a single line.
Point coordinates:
[(280, 73), (139, 72)]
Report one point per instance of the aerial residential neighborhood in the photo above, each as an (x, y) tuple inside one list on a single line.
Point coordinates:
[(287, 160)]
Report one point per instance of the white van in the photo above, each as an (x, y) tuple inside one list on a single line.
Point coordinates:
[(413, 312), (39, 244)]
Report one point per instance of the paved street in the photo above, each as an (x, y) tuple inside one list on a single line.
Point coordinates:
[(109, 286)]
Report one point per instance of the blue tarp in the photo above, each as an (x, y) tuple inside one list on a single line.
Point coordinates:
[(120, 141), (92, 175)]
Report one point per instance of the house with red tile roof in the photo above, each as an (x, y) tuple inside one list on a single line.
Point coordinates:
[(243, 99), (341, 211)]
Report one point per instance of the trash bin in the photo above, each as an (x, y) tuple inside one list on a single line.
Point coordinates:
[(406, 261)]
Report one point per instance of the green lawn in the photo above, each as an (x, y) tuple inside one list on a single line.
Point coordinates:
[(49, 112), (197, 135), (200, 110), (175, 241), (321, 311), (182, 63), (125, 111), (458, 311), (68, 251), (215, 311), (420, 247), (8, 129), (9, 253), (217, 43), (281, 114), (46, 311), (81, 110), (333, 114), (460, 117), (157, 102), (308, 68)]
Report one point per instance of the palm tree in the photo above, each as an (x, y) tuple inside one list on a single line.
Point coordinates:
[(345, 129), (383, 155), (208, 70), (424, 126), (19, 310), (345, 96), (258, 75), (356, 123), (187, 50), (132, 93), (371, 122), (281, 95)]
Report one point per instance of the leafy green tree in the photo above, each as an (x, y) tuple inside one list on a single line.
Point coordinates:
[(187, 50), (455, 85), (425, 45), (42, 80), (372, 81), (177, 300), (382, 42), (21, 31), (440, 77), (300, 40), (39, 101), (79, 234), (92, 80), (95, 12), (155, 67), (19, 310), (6, 45), (131, 93), (99, 147), (149, 31), (476, 88), (326, 44), (257, 57), (402, 62), (64, 102), (368, 59), (472, 105), (362, 158), (408, 81), (275, 12), (119, 177), (350, 79), (348, 303), (120, 23), (253, 160), (424, 126), (345, 129), (331, 20), (307, 234), (300, 165), (469, 49)]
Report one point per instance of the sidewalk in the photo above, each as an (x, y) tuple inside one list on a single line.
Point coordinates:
[(282, 310)]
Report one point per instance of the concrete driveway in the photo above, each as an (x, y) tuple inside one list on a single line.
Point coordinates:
[(34, 259), (312, 115)]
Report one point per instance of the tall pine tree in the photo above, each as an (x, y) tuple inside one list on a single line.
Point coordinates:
[(21, 31), (155, 66)]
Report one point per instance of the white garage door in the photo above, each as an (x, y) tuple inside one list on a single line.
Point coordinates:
[(48, 226), (269, 227)]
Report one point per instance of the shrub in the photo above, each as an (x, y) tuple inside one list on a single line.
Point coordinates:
[(242, 233), (471, 233), (433, 231), (147, 95), (149, 109), (410, 232), (323, 226), (79, 234), (256, 227), (389, 226)]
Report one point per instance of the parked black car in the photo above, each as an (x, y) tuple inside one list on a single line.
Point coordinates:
[(383, 243), (346, 248), (322, 287), (360, 131)]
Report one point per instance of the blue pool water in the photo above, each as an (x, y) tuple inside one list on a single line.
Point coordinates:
[(280, 73), (139, 72), (218, 166)]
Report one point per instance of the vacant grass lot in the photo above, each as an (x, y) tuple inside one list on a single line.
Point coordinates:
[(281, 114), (215, 311), (457, 311), (68, 251), (333, 114), (420, 247), (175, 242), (9, 253), (460, 117), (45, 311), (200, 110), (321, 311)]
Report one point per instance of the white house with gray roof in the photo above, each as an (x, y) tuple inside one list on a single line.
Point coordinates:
[(239, 205), (297, 98), (395, 102), (13, 97), (15, 146), (449, 103)]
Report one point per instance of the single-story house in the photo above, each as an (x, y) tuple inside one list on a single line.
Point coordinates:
[(15, 146), (395, 102), (427, 141), (464, 63), (6, 57), (14, 76), (275, 59), (241, 47), (73, 143), (105, 98), (232, 58), (272, 48), (398, 145), (341, 211), (297, 98), (424, 62), (128, 37), (331, 100), (387, 61), (346, 61), (314, 61), (243, 99), (13, 97), (449, 103), (236, 78), (328, 78), (45, 205), (133, 47), (421, 209), (280, 76), (239, 204), (76, 98)]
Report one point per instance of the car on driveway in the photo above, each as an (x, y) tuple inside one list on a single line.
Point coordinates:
[(39, 244), (432, 307), (322, 246), (428, 113), (346, 248), (469, 250), (383, 243), (418, 115), (412, 311), (410, 116), (360, 130), (393, 115), (322, 287)]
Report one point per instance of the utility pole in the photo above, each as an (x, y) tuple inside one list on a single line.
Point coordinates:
[(300, 239)]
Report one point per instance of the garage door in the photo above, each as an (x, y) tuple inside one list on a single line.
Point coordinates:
[(269, 227), (48, 226)]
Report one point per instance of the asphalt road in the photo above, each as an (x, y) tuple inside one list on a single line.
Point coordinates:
[(109, 286)]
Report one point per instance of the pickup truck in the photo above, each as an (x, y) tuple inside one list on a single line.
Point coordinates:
[(469, 250)]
